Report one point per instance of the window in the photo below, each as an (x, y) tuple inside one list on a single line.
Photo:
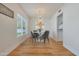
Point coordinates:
[(21, 25)]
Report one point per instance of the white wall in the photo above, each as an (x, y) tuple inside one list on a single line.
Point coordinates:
[(71, 27), (54, 24), (8, 39), (49, 26)]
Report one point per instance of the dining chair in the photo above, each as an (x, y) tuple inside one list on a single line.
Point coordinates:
[(45, 36), (34, 36)]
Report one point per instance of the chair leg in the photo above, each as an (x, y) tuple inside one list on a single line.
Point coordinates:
[(48, 39), (40, 39), (35, 39), (44, 40)]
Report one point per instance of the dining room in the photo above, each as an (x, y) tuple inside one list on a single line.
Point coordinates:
[(35, 29)]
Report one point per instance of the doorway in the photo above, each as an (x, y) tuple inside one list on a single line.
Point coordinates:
[(60, 27)]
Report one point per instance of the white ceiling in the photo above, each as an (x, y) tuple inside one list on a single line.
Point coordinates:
[(45, 10)]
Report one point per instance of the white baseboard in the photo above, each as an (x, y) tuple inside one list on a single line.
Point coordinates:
[(11, 48), (74, 51)]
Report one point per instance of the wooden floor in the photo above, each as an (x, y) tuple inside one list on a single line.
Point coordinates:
[(29, 48)]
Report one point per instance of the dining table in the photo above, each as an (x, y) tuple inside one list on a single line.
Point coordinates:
[(39, 34)]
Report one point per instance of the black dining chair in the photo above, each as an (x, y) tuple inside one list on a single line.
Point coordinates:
[(34, 36), (45, 36)]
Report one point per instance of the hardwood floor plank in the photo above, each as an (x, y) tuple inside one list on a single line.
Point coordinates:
[(51, 48)]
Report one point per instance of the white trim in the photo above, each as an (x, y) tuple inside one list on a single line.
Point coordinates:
[(73, 50)]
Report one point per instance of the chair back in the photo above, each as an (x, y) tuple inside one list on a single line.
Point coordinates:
[(46, 34), (34, 35)]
